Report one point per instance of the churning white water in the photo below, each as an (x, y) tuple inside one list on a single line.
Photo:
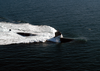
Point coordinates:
[(8, 33)]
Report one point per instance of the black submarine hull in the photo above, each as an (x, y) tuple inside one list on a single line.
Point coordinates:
[(64, 40)]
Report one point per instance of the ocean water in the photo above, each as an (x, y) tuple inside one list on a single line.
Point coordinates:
[(77, 19)]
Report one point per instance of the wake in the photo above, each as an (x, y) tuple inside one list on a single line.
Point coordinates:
[(10, 33)]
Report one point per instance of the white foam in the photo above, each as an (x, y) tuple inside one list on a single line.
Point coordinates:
[(8, 37)]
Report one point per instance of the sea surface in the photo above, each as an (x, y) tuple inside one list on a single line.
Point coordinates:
[(77, 19)]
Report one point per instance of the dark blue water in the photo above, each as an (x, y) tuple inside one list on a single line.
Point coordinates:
[(79, 19)]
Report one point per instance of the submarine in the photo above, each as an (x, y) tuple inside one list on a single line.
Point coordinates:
[(56, 38)]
